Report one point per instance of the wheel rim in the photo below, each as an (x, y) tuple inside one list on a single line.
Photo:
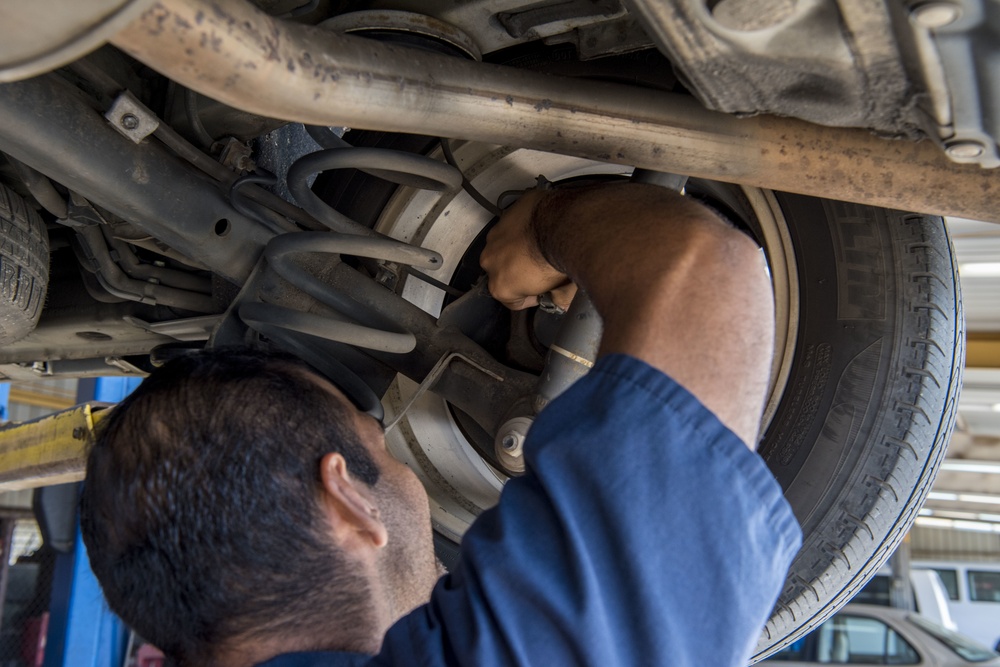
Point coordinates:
[(459, 482)]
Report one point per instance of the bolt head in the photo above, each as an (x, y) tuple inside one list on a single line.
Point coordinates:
[(935, 14), (509, 442), (965, 150), (130, 121)]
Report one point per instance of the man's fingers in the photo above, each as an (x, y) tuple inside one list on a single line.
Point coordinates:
[(518, 291), (517, 271), (563, 296), (512, 300), (521, 304)]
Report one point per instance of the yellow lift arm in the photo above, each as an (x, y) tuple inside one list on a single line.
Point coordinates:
[(49, 450)]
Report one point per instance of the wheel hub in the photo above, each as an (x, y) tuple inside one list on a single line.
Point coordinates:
[(429, 438)]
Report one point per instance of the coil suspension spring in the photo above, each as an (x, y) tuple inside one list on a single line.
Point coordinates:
[(350, 322)]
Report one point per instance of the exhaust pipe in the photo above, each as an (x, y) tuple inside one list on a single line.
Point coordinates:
[(231, 51)]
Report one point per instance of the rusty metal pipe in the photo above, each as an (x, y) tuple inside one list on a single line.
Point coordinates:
[(231, 51)]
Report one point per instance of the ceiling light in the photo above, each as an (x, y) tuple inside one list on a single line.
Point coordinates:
[(963, 516), (948, 496), (980, 270), (979, 527), (954, 465), (978, 498), (974, 525)]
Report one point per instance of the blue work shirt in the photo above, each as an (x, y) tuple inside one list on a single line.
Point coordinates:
[(643, 532)]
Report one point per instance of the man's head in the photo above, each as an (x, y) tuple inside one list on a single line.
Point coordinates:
[(237, 505)]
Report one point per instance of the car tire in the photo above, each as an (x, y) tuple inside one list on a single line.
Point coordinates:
[(871, 398), (871, 395), (24, 267)]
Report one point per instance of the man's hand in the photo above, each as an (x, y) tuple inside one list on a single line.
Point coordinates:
[(518, 272)]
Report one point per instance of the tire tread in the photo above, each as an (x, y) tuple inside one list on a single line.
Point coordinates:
[(24, 266), (930, 359)]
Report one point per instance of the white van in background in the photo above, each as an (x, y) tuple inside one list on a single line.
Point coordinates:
[(930, 596), (973, 591)]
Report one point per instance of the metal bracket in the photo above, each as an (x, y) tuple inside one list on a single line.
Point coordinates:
[(81, 213), (236, 155), (188, 329), (131, 119), (957, 43), (432, 377)]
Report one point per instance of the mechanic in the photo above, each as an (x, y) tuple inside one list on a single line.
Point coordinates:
[(238, 510)]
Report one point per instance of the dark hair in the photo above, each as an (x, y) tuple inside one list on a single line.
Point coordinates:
[(200, 511)]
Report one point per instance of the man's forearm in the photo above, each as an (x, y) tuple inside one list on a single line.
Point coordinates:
[(616, 239), (677, 287)]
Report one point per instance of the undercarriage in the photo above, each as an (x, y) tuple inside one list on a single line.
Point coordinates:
[(320, 178)]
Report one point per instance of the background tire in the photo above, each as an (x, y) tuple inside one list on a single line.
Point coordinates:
[(24, 267), (870, 403)]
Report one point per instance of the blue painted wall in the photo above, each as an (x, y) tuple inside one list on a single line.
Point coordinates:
[(4, 401)]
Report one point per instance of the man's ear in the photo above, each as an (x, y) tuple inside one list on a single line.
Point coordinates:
[(350, 512)]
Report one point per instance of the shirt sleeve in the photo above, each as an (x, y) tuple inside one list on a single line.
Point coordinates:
[(643, 532)]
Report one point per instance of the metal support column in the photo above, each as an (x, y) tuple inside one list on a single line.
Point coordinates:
[(82, 630), (6, 540), (901, 593)]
